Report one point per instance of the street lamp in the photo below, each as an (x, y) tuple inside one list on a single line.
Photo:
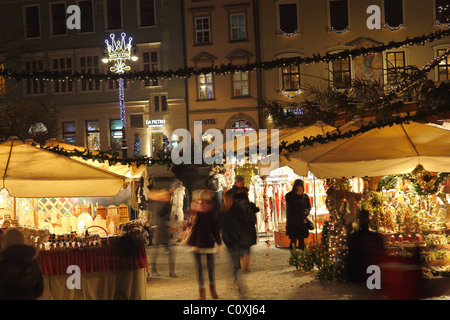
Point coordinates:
[(119, 51)]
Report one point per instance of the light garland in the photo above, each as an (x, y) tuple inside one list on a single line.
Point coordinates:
[(288, 35), (393, 28), (447, 26), (188, 72), (340, 31), (291, 96)]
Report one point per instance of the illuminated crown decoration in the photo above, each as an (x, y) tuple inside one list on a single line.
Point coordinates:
[(119, 51)]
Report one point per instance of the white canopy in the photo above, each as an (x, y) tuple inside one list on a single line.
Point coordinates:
[(123, 170), (29, 172), (390, 150)]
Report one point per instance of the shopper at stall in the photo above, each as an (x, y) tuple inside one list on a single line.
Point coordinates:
[(162, 205), (20, 274), (203, 239), (365, 248), (216, 182), (297, 211), (239, 182)]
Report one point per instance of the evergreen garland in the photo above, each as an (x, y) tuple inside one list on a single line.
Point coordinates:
[(223, 69)]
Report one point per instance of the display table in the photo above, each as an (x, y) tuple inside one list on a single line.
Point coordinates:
[(282, 240), (106, 273)]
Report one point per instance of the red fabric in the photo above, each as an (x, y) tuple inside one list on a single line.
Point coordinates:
[(90, 260)]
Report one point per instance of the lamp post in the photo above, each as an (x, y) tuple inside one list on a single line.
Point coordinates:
[(119, 51)]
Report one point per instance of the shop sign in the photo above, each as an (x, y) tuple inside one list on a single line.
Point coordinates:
[(155, 123)]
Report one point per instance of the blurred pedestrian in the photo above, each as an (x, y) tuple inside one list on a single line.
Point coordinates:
[(297, 211), (365, 248), (162, 205), (204, 237), (20, 274), (247, 211), (216, 182), (239, 182)]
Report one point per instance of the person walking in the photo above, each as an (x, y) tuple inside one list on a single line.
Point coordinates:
[(297, 211), (162, 205), (239, 182), (204, 237), (20, 274), (216, 182)]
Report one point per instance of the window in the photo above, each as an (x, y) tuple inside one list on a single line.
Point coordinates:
[(393, 13), (443, 67), (205, 86), (164, 103), (58, 11), (341, 73), (151, 63), (136, 121), (160, 103), (115, 129), (114, 14), (240, 84), (89, 64), (32, 25), (291, 78), (69, 132), (62, 65), (288, 18), (395, 65), (443, 11), (87, 16), (338, 15), (34, 86), (202, 30), (93, 134), (238, 27), (147, 13)]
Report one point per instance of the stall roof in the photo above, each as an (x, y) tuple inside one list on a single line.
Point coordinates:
[(395, 149), (29, 172)]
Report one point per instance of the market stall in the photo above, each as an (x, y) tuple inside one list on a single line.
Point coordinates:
[(39, 196), (411, 213)]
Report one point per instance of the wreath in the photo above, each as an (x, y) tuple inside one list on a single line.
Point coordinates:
[(426, 183)]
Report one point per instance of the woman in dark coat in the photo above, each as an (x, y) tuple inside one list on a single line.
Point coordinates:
[(20, 274), (204, 237), (297, 211)]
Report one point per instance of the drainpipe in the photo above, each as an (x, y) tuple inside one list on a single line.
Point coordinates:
[(258, 59)]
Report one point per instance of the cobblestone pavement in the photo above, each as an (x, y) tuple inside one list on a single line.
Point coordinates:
[(270, 278)]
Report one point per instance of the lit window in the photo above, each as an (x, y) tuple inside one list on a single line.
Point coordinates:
[(93, 134), (205, 86), (69, 132), (443, 67), (240, 84), (395, 66), (115, 128), (291, 78)]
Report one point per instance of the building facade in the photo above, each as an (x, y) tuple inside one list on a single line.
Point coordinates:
[(217, 33), (88, 110), (303, 28)]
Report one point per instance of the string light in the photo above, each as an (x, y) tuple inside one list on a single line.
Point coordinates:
[(187, 72), (291, 96), (340, 31), (288, 35), (393, 28)]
